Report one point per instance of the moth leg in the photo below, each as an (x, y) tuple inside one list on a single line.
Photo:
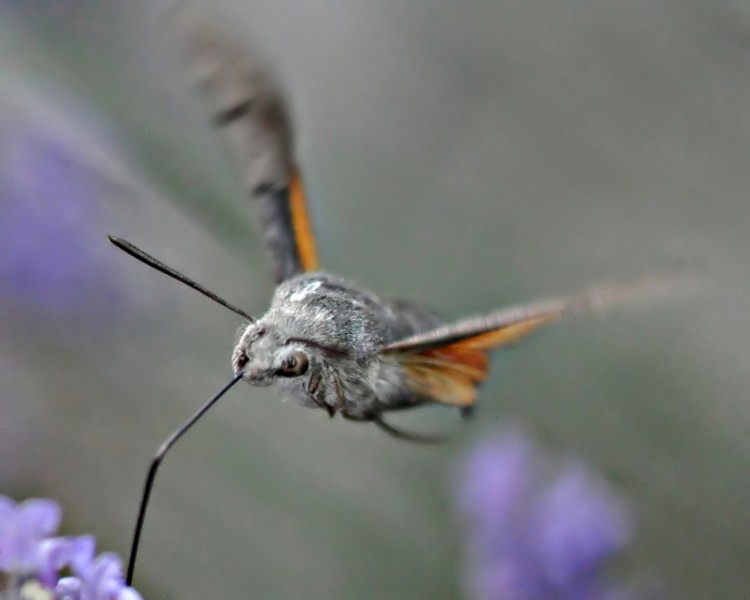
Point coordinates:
[(467, 412), (329, 409), (314, 390), (409, 436), (340, 400)]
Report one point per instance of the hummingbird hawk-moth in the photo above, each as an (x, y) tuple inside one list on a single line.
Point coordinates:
[(324, 341)]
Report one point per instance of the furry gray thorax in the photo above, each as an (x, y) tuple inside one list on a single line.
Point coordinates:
[(339, 330), (330, 311)]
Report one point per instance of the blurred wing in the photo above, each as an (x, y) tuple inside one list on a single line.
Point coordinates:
[(448, 363), (249, 110)]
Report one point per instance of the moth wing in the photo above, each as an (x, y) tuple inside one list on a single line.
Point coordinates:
[(447, 363), (248, 108)]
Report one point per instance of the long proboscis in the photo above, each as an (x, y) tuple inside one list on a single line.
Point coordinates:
[(155, 263), (156, 461)]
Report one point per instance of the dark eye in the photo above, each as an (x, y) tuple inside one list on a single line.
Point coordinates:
[(242, 360), (294, 365)]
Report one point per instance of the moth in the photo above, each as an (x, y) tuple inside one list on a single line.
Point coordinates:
[(324, 341)]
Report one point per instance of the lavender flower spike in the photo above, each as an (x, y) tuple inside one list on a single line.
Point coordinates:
[(22, 528), (533, 534), (31, 560)]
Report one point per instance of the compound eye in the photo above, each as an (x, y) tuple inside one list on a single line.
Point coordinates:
[(242, 360), (294, 365)]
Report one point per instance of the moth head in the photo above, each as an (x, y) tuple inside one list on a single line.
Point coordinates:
[(265, 356)]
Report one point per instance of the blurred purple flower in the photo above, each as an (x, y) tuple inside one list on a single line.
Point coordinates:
[(532, 537), (101, 579), (32, 561), (22, 528), (49, 230)]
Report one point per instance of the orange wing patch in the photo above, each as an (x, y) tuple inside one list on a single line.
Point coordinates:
[(450, 374), (303, 233), (446, 377), (506, 335)]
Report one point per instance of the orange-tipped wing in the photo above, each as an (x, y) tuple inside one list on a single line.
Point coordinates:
[(248, 108), (448, 363)]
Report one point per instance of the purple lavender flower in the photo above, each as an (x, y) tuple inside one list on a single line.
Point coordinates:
[(52, 256), (99, 580), (22, 528), (31, 560), (534, 535)]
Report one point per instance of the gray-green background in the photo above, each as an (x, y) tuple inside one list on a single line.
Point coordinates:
[(465, 154)]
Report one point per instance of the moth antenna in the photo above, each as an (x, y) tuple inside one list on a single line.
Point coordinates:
[(158, 457), (154, 263)]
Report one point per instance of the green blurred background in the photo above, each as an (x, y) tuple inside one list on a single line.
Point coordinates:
[(462, 154)]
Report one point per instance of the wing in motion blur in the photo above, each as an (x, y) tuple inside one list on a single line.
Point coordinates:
[(448, 363), (248, 108)]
